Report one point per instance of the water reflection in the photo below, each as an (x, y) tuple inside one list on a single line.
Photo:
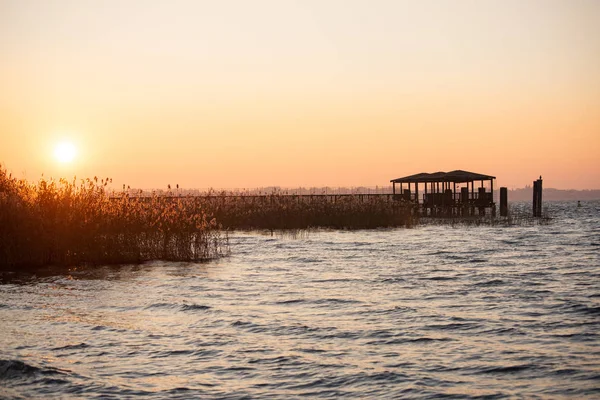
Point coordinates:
[(428, 312)]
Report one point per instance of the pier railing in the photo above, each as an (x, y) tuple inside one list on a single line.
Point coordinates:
[(449, 199)]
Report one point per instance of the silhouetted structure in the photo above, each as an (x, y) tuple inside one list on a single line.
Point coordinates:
[(537, 197), (503, 202), (440, 195)]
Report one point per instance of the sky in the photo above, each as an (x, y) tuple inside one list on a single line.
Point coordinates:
[(246, 94)]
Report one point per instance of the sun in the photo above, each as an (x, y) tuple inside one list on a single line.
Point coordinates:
[(65, 152)]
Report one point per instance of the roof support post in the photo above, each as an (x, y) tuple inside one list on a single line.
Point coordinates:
[(417, 192), (454, 193)]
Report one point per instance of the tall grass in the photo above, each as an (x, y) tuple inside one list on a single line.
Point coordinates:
[(71, 222), (67, 223), (279, 211)]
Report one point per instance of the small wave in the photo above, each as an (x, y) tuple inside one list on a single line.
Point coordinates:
[(439, 278), (579, 308), (250, 326), (181, 307), (178, 390), (566, 371), (439, 252), (279, 360), (493, 282), (16, 369), (294, 329), (337, 301), (193, 307), (590, 310), (52, 381), (334, 280), (427, 339), (171, 353), (10, 369), (452, 326), (420, 340), (502, 331), (292, 301), (305, 260), (99, 328), (72, 347), (161, 305), (393, 280), (310, 351), (580, 337), (507, 370), (382, 334)]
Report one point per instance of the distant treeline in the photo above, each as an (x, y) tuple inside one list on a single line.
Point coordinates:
[(550, 194)]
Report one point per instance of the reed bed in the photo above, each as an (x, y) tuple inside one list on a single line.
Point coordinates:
[(83, 222), (279, 211), (70, 223)]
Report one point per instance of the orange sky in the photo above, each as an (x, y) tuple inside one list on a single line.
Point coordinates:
[(238, 94)]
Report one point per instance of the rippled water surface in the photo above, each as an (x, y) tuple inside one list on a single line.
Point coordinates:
[(435, 311)]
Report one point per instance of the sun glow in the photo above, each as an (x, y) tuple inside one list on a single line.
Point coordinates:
[(65, 152)]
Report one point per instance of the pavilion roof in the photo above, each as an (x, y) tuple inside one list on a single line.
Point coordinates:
[(456, 176)]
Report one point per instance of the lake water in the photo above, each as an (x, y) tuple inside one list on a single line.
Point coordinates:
[(436, 311)]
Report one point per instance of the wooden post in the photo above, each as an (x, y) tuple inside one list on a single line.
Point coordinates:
[(472, 197), (425, 200), (503, 202), (540, 197), (537, 197), (454, 202), (481, 200), (417, 193), (464, 199)]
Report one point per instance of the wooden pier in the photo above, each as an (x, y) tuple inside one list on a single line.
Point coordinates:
[(439, 194), (447, 193)]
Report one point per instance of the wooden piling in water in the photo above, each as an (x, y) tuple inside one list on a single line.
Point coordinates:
[(481, 200), (464, 200), (503, 202), (537, 197)]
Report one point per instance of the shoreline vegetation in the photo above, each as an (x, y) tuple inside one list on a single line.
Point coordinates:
[(66, 223), (71, 223), (74, 223)]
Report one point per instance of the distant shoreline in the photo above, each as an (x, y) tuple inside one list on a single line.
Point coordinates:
[(554, 194)]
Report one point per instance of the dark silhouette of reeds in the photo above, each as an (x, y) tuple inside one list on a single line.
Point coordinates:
[(81, 222), (69, 223), (279, 211)]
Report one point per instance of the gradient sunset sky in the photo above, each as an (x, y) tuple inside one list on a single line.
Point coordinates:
[(244, 94)]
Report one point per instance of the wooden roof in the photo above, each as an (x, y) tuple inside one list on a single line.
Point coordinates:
[(457, 176)]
